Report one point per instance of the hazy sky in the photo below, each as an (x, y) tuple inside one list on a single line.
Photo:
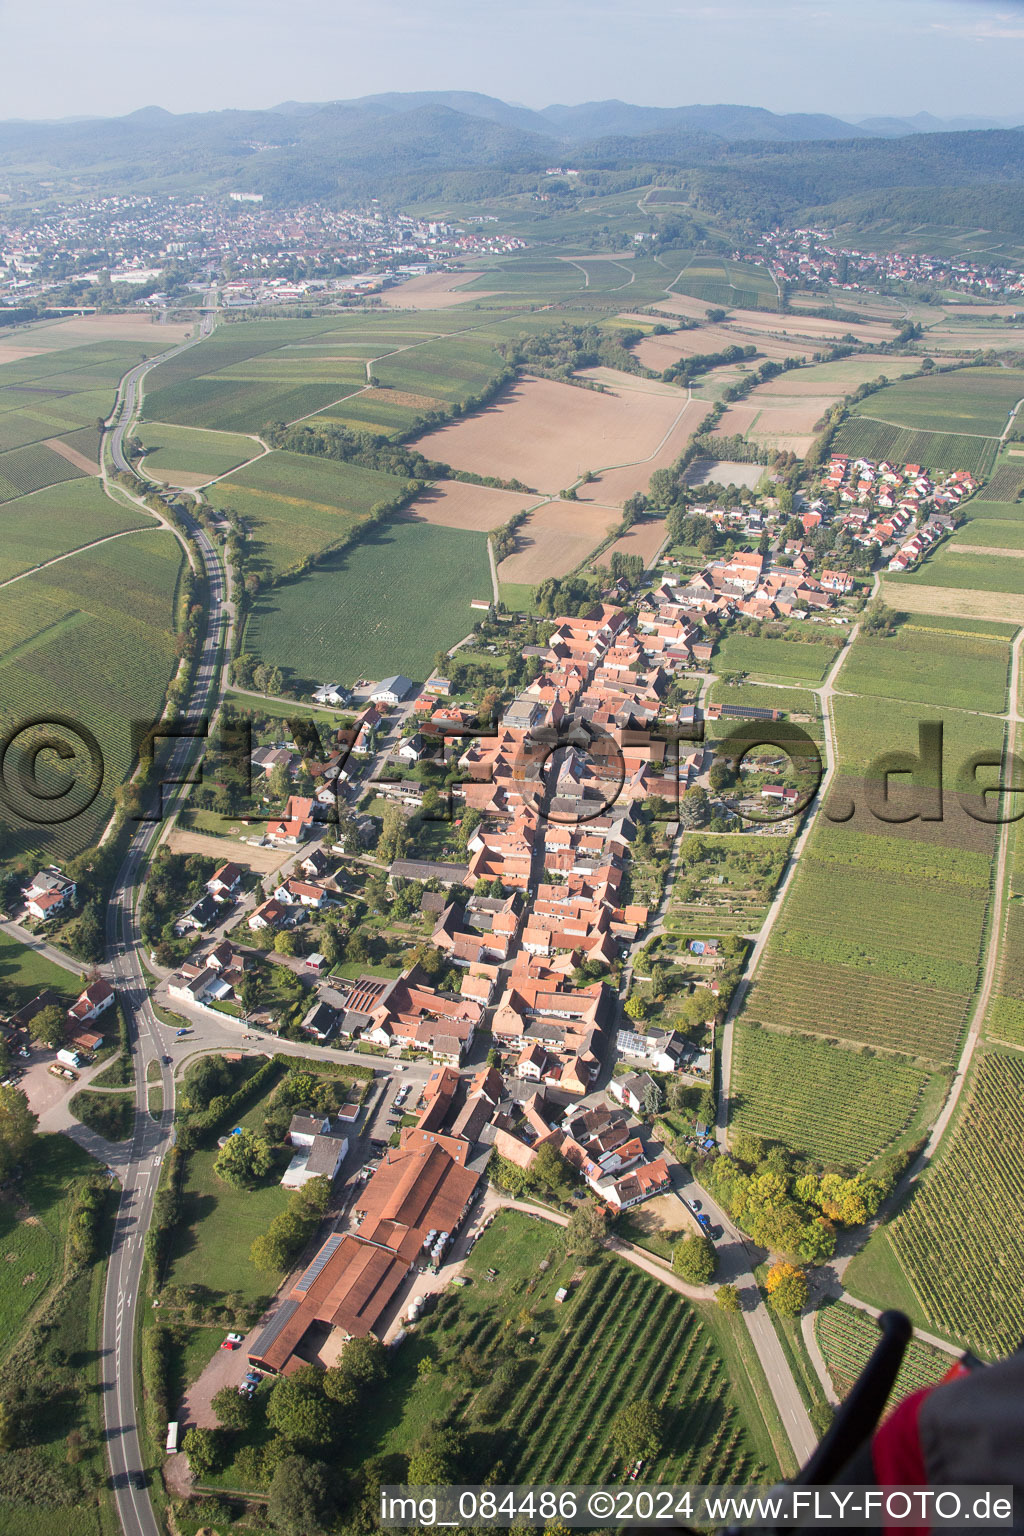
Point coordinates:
[(848, 57)]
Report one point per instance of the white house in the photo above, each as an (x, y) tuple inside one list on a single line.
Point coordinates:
[(49, 893), (331, 693), (96, 999), (320, 1159)]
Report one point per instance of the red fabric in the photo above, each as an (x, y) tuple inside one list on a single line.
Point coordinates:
[(897, 1456)]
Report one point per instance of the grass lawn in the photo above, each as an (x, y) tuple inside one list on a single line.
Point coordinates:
[(219, 1222), (24, 972), (386, 605), (108, 1114)]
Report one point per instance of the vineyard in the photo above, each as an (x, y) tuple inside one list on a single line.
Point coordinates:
[(949, 566), (846, 1336), (621, 1336), (1006, 483), (889, 931), (964, 400), (927, 666), (728, 284), (805, 661), (32, 468), (961, 1239), (837, 1106), (864, 437)]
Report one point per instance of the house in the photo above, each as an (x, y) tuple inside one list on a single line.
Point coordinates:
[(224, 882), (50, 892), (320, 1157), (321, 1021), (663, 1048), (96, 999), (314, 865), (639, 1184), (194, 984), (301, 893), (269, 915), (331, 693), (303, 1129), (391, 690), (631, 1090), (781, 793), (412, 748), (293, 825), (199, 916)]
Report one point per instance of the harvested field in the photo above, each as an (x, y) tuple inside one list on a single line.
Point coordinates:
[(683, 304), (1004, 607), (790, 414), (737, 419), (808, 326), (555, 539), (548, 434), (80, 330), (263, 860), (455, 504), (434, 290), (661, 352), (87, 466), (615, 486), (644, 539)]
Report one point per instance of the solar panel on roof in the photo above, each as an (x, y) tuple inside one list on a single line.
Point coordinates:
[(332, 1244), (283, 1314)]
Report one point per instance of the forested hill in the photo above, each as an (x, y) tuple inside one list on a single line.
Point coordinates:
[(426, 147)]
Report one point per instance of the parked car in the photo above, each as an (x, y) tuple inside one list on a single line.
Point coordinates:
[(236, 1338), (229, 1344)]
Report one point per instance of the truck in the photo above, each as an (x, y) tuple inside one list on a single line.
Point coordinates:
[(69, 1058)]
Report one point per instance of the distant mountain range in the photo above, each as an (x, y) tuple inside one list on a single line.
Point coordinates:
[(735, 161), (604, 119)]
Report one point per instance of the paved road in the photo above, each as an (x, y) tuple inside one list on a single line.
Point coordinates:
[(140, 1170)]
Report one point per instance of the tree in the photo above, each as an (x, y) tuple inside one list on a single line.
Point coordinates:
[(232, 1409), (251, 990), (299, 1410), (279, 784), (435, 1461), (207, 1079), (300, 1501), (728, 1298), (6, 1427), (393, 835), (787, 1289), (493, 1058), (48, 1025), (548, 1168), (635, 1006), (654, 1097), (363, 1362), (243, 1159), (817, 1242), (694, 1259), (17, 1128), (637, 1431), (202, 1447), (586, 1232), (284, 942)]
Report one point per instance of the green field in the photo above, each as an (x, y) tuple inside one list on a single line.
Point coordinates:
[(866, 437), (172, 450), (950, 567), (91, 638), (786, 1088), (373, 413), (39, 527), (972, 400), (804, 661), (57, 394), (846, 1336), (961, 1237), (716, 281), (926, 664), (296, 505), (385, 605), (994, 533), (452, 369)]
